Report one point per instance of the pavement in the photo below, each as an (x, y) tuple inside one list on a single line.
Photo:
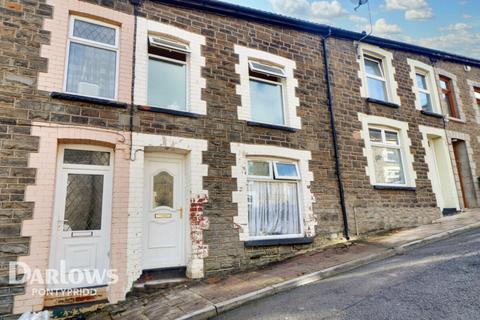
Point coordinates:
[(208, 298), (438, 281)]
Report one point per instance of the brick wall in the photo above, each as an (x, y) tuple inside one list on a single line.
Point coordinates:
[(22, 34)]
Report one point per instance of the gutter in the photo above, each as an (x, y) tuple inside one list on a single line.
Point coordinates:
[(245, 13), (338, 170)]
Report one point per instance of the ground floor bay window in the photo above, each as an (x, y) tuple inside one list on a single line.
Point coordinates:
[(273, 199)]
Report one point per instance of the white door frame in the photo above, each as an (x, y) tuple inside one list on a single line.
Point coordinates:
[(181, 159), (433, 168), (62, 171)]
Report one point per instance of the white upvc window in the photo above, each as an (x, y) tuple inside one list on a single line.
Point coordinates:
[(387, 156), (274, 199), (387, 149), (267, 93), (377, 74), (267, 88), (424, 92), (376, 82), (92, 59), (424, 86), (167, 74)]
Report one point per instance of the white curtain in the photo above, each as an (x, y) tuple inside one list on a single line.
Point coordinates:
[(91, 71), (273, 208)]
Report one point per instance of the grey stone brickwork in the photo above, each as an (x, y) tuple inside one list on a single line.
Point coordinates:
[(21, 36)]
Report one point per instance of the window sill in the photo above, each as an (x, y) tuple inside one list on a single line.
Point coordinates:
[(456, 120), (75, 97), (169, 111), (383, 103), (432, 114), (278, 242), (271, 126), (382, 187)]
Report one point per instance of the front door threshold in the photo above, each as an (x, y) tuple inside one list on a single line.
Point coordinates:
[(157, 279), (450, 211)]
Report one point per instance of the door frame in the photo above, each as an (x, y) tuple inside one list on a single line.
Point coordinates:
[(60, 169), (156, 156), (461, 178), (429, 133)]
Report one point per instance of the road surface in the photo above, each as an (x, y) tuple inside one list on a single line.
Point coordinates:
[(439, 281)]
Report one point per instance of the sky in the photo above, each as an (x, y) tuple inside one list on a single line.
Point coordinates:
[(447, 25)]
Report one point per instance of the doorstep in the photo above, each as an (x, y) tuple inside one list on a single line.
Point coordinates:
[(210, 297)]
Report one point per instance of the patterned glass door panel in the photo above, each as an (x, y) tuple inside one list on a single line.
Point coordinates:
[(83, 203), (162, 190)]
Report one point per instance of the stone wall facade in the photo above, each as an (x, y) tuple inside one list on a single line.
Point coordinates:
[(26, 38)]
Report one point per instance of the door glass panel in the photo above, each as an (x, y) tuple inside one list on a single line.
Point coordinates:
[(162, 190), (97, 158), (83, 204)]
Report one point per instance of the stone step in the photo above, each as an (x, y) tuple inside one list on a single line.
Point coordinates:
[(153, 280)]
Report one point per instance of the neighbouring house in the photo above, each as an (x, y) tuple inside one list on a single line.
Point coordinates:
[(210, 138)]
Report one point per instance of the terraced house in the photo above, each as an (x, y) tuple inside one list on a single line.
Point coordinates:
[(211, 138)]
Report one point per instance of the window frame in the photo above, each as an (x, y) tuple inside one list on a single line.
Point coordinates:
[(251, 67), (450, 96), (399, 146), (379, 60), (186, 63), (428, 90), (116, 48), (476, 90), (272, 178), (282, 91), (152, 43)]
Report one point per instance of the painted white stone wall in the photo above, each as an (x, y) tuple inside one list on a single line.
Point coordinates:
[(195, 171), (242, 152), (195, 62), (291, 102)]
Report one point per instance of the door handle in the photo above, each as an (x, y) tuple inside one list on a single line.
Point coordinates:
[(181, 213)]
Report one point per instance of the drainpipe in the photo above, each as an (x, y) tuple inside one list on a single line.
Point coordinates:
[(338, 171), (136, 4)]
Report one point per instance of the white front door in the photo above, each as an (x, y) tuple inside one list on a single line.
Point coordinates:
[(82, 216), (439, 165), (164, 213)]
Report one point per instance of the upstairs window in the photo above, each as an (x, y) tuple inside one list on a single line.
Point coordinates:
[(424, 93), (92, 59), (448, 96), (167, 74), (387, 156), (266, 93), (376, 82), (477, 95), (273, 199)]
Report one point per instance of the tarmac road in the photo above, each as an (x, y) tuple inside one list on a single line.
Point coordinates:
[(439, 281)]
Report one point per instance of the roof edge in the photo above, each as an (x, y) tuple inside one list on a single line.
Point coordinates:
[(246, 13)]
